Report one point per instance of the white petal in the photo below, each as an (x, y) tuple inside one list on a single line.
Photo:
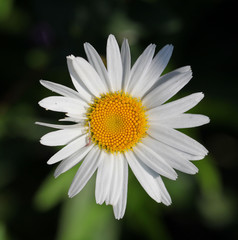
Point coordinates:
[(156, 68), (70, 119), (168, 85), (85, 171), (190, 157), (88, 76), (126, 63), (114, 63), (145, 176), (63, 104), (176, 107), (69, 149), (60, 89), (184, 120), (57, 126), (170, 155), (78, 84), (96, 61), (177, 140), (120, 207), (60, 137), (72, 160), (117, 180), (165, 197), (139, 69), (154, 161), (104, 177), (80, 117)]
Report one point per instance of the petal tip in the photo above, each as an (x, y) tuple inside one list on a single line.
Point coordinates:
[(50, 161), (70, 57), (42, 82), (208, 120), (111, 36)]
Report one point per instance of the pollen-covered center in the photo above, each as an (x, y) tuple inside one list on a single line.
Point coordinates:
[(116, 121)]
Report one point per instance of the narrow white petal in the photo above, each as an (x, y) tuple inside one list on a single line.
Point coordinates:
[(190, 157), (114, 63), (184, 120), (120, 207), (72, 160), (126, 63), (104, 177), (60, 89), (78, 84), (145, 176), (89, 76), (80, 117), (70, 119), (96, 61), (156, 68), (117, 180), (58, 126), (69, 149), (63, 104), (139, 69), (60, 137), (176, 107), (177, 140), (154, 161), (165, 197), (168, 86), (85, 171), (170, 155)]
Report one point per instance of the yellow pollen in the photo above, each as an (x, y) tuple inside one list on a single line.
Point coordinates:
[(117, 121)]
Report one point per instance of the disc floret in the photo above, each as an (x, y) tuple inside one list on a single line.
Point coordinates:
[(117, 121)]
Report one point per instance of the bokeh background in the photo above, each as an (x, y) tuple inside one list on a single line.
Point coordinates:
[(35, 37)]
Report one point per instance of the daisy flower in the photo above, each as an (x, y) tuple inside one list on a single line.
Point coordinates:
[(120, 117)]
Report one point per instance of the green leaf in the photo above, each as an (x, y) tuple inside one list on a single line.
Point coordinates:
[(215, 205), (83, 219), (208, 176), (3, 232), (52, 190)]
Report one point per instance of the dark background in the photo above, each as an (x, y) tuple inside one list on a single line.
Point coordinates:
[(35, 38)]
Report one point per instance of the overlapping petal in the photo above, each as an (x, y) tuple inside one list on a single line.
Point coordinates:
[(169, 155), (176, 107), (78, 84), (61, 89), (85, 172), (144, 176), (156, 68), (139, 70), (177, 140), (154, 161), (104, 177), (72, 160), (96, 61), (167, 86), (88, 76), (68, 150)]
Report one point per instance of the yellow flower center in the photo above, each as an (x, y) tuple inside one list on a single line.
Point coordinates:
[(116, 121)]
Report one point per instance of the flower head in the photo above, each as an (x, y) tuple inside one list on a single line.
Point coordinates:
[(120, 117)]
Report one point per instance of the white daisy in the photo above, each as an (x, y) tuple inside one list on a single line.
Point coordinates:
[(120, 117)]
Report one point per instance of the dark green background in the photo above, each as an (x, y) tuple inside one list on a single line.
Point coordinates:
[(35, 37)]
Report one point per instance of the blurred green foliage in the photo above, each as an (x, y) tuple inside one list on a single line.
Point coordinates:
[(36, 36)]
